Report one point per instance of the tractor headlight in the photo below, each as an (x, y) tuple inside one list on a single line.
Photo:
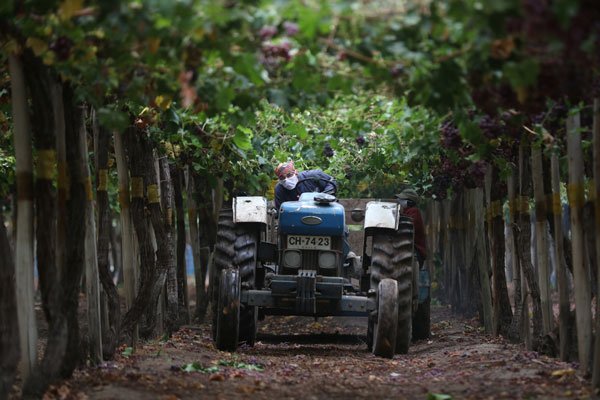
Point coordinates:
[(292, 259), (327, 259)]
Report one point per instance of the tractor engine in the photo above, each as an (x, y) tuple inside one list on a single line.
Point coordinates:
[(311, 235)]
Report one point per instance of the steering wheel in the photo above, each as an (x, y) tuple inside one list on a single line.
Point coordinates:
[(327, 181)]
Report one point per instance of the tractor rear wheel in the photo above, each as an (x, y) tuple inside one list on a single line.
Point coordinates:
[(392, 258), (237, 247), (386, 324), (228, 310)]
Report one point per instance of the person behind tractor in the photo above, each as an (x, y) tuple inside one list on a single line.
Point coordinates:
[(293, 183), (410, 198)]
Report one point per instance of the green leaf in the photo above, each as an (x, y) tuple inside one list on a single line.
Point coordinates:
[(127, 352), (224, 97), (113, 119), (438, 396), (522, 74), (197, 367), (298, 130), (243, 138), (247, 65)]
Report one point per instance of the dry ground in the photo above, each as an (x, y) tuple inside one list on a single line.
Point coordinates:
[(300, 358)]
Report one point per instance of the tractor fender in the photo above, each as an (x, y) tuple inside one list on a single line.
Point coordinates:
[(380, 214), (250, 209)]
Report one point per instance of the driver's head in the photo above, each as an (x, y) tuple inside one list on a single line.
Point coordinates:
[(285, 170), (409, 194)]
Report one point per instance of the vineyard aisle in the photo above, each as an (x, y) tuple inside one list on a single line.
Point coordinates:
[(328, 359)]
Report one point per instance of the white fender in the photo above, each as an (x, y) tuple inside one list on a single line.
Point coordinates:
[(250, 209), (381, 214)]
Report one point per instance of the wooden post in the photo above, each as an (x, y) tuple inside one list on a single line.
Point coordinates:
[(540, 236), (92, 281), (580, 272), (561, 270), (482, 259), (24, 242), (128, 254), (596, 142), (515, 329)]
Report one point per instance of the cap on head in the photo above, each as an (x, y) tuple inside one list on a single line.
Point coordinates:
[(408, 194), (284, 168)]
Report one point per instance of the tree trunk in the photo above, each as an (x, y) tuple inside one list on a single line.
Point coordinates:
[(514, 333), (182, 289), (76, 226), (502, 309), (109, 342), (129, 255), (141, 163), (153, 271), (24, 244), (541, 238), (480, 259), (580, 271), (165, 254), (92, 281), (596, 189), (561, 272), (523, 239), (9, 332), (447, 245), (40, 87), (57, 325)]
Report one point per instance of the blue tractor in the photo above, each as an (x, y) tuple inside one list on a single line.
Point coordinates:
[(304, 270)]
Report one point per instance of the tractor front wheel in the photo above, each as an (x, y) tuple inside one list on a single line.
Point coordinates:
[(228, 310), (386, 323)]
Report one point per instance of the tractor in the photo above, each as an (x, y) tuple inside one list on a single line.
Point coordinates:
[(303, 270)]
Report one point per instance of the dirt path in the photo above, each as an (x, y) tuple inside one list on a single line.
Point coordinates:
[(298, 358)]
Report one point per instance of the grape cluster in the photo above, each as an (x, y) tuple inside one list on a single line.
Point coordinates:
[(267, 32), (475, 174), (360, 140), (62, 47), (490, 127), (274, 53), (291, 28), (450, 135), (328, 151)]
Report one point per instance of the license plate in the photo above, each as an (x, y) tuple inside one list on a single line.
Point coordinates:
[(308, 242)]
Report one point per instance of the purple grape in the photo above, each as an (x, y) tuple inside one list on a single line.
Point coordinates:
[(291, 28), (62, 47), (267, 32), (360, 140)]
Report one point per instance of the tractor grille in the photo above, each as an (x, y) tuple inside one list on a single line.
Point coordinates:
[(310, 260)]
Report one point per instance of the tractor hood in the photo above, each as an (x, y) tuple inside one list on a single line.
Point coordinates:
[(314, 214)]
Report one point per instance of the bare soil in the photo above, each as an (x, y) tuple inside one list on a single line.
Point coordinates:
[(300, 358)]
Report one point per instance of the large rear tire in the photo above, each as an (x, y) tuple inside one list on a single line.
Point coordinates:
[(237, 247), (392, 258), (384, 329), (228, 310)]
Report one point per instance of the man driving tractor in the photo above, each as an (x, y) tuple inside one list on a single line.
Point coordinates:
[(293, 183)]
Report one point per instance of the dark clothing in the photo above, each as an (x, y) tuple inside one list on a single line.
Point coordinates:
[(420, 240), (313, 180)]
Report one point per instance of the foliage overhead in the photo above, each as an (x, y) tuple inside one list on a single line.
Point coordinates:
[(376, 93)]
